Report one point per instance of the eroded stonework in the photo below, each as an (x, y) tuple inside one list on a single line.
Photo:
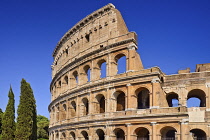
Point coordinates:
[(92, 100)]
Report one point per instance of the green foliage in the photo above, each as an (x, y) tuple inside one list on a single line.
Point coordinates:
[(26, 128), (1, 114), (8, 119), (42, 124)]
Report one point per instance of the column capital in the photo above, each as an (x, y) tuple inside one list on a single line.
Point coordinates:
[(132, 47), (153, 123), (155, 80)]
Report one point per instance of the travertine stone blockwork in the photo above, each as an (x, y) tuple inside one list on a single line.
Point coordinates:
[(139, 104)]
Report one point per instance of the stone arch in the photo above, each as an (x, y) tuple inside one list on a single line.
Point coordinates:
[(75, 78), (73, 108), (142, 133), (66, 80), (63, 136), (103, 69), (84, 135), (121, 66), (168, 132), (63, 111), (199, 95), (120, 100), (72, 136), (198, 134), (58, 88), (57, 136), (85, 106), (172, 99), (119, 133), (143, 98), (57, 113), (87, 72), (100, 106), (100, 133)]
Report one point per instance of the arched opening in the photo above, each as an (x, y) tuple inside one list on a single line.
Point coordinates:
[(142, 133), (63, 136), (142, 98), (73, 109), (172, 99), (66, 80), (57, 113), (72, 136), (101, 103), (87, 72), (196, 98), (120, 134), (198, 134), (102, 66), (64, 112), (120, 60), (75, 76), (85, 106), (168, 133), (59, 87), (120, 100), (57, 136), (100, 134), (85, 135)]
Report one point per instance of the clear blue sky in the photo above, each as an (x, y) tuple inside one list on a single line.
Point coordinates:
[(172, 34)]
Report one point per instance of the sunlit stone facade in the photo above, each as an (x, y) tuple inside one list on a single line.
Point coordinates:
[(92, 100)]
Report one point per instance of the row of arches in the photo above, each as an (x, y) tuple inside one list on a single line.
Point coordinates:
[(141, 133), (99, 104), (195, 98), (88, 73)]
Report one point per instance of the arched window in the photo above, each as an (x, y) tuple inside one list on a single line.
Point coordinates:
[(64, 112), (196, 98), (75, 76), (120, 97), (120, 134), (100, 134), (57, 137), (142, 133), (72, 136), (121, 63), (168, 133), (63, 136), (102, 66), (73, 109), (85, 106), (101, 103), (57, 113), (198, 134), (87, 72), (172, 99), (85, 135), (142, 98), (66, 80)]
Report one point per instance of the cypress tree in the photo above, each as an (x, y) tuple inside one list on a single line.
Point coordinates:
[(1, 114), (26, 128), (8, 119)]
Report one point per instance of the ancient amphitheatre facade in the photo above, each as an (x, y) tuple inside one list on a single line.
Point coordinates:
[(92, 100)]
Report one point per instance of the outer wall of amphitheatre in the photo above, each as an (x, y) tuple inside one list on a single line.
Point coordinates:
[(92, 100)]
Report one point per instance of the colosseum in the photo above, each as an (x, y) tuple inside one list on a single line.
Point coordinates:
[(101, 91)]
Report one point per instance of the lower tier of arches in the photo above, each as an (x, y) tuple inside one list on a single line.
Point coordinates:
[(129, 131)]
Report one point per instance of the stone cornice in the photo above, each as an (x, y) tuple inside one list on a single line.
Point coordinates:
[(81, 24)]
